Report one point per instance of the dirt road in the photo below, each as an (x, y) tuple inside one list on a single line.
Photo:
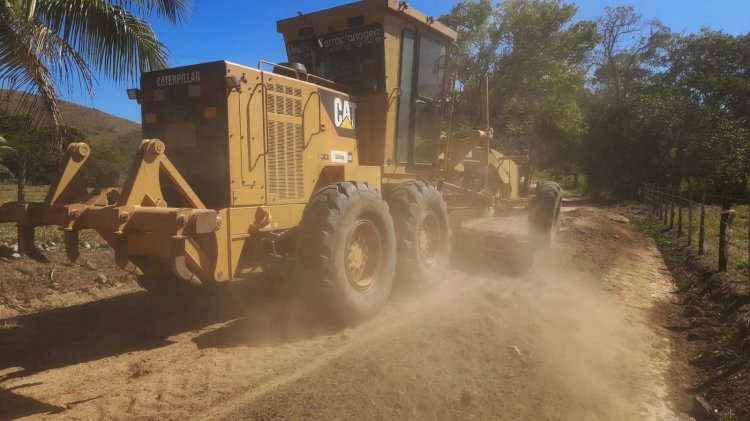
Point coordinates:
[(578, 337)]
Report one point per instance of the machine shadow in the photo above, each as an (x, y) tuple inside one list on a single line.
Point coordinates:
[(18, 406), (139, 321)]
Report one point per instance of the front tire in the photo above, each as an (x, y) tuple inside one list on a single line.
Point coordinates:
[(346, 249), (423, 235)]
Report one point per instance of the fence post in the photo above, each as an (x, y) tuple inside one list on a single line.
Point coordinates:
[(658, 202), (723, 239), (665, 206), (679, 213), (690, 218), (671, 214), (702, 227)]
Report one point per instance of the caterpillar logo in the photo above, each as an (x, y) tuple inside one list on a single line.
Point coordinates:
[(344, 113), (341, 113)]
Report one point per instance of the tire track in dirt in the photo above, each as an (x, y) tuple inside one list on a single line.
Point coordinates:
[(372, 332), (578, 337)]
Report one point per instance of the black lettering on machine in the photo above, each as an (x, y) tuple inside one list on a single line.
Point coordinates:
[(334, 43), (178, 79)]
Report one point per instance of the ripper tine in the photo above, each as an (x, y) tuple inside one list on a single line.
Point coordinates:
[(26, 238), (72, 251), (122, 259)]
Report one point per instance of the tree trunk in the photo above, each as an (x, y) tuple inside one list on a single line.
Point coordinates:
[(21, 177)]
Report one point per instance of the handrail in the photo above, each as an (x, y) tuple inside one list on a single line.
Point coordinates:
[(308, 77), (262, 62)]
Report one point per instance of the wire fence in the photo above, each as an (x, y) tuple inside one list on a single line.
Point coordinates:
[(710, 224)]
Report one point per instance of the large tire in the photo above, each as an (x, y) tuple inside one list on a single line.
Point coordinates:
[(423, 235), (346, 250), (544, 211)]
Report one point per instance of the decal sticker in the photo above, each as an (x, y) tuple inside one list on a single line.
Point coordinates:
[(341, 111), (340, 157), (303, 50), (324, 157)]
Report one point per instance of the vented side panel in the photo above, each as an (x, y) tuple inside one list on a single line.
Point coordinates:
[(285, 142)]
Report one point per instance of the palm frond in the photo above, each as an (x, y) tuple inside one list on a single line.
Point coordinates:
[(33, 61), (22, 69), (4, 148), (112, 39), (175, 11)]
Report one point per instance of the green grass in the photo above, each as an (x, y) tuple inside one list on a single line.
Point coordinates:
[(8, 193), (738, 236), (739, 260)]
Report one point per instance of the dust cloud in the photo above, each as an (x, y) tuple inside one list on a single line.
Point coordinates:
[(571, 336)]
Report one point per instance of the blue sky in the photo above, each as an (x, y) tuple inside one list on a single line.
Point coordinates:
[(241, 32)]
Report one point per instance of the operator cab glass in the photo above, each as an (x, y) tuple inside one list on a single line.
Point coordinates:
[(422, 82), (354, 59)]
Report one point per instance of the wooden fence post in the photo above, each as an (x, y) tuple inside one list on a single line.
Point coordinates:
[(679, 213), (671, 214), (702, 227), (690, 218), (658, 202), (726, 219)]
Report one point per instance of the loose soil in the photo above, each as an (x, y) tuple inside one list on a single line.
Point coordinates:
[(579, 336)]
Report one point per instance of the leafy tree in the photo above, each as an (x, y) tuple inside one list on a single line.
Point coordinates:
[(28, 151), (713, 68), (109, 164), (537, 61), (630, 51), (49, 44)]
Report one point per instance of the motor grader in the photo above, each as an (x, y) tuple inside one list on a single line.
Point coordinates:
[(329, 169)]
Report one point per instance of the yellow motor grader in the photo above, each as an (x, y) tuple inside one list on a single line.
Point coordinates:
[(329, 169)]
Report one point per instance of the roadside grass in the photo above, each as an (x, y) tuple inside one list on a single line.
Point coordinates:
[(693, 271), (8, 231), (739, 259)]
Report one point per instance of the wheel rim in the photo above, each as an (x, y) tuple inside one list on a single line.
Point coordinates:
[(363, 255), (430, 237)]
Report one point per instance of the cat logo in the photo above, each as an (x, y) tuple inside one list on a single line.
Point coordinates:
[(340, 113), (344, 113)]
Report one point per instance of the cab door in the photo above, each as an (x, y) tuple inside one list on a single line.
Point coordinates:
[(422, 80)]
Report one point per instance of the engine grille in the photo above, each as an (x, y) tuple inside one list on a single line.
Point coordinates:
[(285, 142)]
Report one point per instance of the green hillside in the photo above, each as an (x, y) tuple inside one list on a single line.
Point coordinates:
[(99, 127)]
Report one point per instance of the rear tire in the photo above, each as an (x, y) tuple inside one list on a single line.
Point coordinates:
[(346, 249), (544, 211), (423, 235)]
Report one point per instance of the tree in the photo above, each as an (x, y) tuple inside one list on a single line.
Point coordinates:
[(630, 50), (26, 150), (537, 61), (46, 45), (712, 68)]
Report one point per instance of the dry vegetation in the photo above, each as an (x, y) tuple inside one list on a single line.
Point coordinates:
[(99, 127)]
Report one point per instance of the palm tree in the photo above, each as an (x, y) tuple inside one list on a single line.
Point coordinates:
[(48, 45)]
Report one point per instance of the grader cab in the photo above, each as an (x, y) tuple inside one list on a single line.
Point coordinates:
[(329, 169)]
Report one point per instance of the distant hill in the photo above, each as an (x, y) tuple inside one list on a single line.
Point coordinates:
[(99, 126)]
